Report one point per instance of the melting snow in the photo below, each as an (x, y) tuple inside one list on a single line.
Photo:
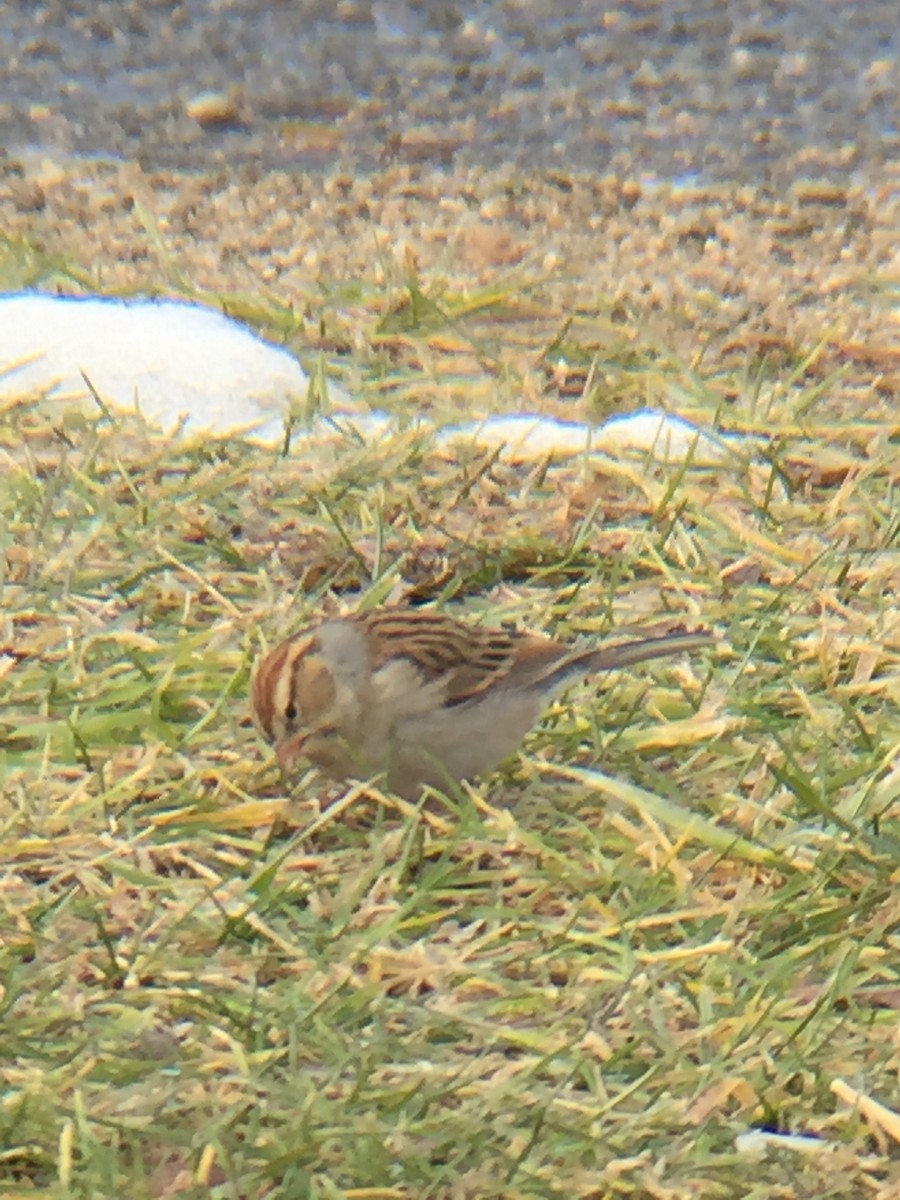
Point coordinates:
[(179, 361)]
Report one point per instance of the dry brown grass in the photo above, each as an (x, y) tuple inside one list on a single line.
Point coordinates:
[(673, 919)]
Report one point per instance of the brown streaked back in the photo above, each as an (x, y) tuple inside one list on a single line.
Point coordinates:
[(467, 657)]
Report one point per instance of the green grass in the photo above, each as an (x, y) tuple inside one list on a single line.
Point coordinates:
[(674, 918)]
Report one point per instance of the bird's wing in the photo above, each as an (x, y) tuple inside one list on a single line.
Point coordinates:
[(466, 659)]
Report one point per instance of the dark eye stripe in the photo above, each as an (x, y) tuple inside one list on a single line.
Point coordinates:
[(290, 709)]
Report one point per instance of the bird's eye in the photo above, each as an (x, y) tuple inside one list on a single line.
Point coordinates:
[(291, 711)]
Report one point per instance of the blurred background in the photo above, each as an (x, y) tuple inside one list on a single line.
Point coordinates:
[(675, 89)]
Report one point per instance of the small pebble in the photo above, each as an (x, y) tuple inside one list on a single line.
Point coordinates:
[(213, 110)]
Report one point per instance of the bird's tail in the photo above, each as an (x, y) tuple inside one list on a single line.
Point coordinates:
[(626, 654)]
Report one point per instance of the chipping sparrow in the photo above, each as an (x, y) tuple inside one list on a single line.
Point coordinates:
[(419, 695)]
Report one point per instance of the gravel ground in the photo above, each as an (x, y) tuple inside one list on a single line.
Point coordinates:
[(733, 91), (739, 274)]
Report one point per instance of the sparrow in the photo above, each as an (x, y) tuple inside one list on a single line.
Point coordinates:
[(421, 697)]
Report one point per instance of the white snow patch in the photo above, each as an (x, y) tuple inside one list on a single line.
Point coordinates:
[(649, 431), (169, 358), (179, 361)]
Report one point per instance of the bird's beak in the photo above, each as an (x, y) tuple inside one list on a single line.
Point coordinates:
[(289, 751)]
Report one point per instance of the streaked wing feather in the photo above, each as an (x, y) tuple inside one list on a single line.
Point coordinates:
[(467, 659)]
